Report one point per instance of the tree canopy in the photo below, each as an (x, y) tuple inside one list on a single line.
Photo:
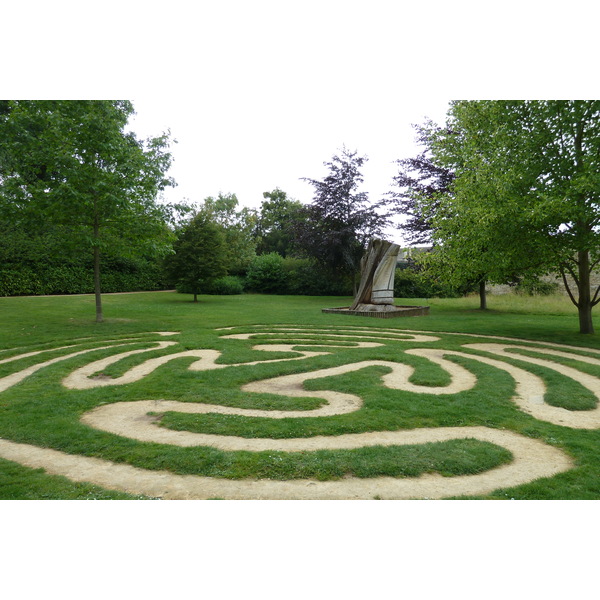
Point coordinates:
[(419, 178), (337, 226), (526, 197), (237, 226), (199, 255), (71, 163), (276, 222)]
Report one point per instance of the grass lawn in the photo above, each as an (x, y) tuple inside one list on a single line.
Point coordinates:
[(38, 410)]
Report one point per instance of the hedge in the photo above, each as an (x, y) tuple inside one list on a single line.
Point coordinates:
[(27, 281), (273, 274)]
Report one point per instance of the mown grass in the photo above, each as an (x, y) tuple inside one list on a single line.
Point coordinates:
[(42, 412)]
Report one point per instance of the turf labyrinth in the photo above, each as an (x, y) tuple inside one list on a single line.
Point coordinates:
[(412, 370)]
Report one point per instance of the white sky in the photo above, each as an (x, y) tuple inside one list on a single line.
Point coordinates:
[(257, 143)]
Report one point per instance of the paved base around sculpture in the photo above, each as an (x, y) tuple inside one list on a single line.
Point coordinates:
[(383, 312), (138, 420)]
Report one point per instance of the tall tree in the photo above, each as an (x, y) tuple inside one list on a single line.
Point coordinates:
[(237, 225), (73, 164), (528, 177), (419, 178), (340, 221), (276, 221)]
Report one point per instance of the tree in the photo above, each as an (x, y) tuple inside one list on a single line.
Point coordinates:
[(237, 227), (528, 179), (71, 163), (417, 179), (276, 221), (337, 226), (417, 187), (200, 255)]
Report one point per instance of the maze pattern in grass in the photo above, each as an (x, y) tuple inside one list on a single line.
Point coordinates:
[(122, 413)]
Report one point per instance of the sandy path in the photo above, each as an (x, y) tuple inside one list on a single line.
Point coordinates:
[(533, 460)]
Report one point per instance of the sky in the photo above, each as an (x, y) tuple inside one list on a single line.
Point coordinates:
[(255, 145)]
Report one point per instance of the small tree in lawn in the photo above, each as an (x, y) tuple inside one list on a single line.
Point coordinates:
[(70, 163), (200, 255)]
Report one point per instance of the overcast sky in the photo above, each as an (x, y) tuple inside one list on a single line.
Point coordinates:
[(257, 143)]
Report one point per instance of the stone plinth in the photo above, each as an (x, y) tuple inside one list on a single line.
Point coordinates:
[(384, 311)]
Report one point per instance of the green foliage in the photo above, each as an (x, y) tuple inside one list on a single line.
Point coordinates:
[(266, 274), (199, 257), (536, 287), (273, 274), (72, 164), (277, 217), (526, 196), (237, 227), (73, 279), (226, 286), (307, 277), (409, 283), (38, 262)]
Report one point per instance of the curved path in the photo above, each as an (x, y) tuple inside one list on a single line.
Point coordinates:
[(532, 459)]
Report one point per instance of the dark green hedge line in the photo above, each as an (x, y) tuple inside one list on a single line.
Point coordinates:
[(268, 274), (273, 274), (27, 281)]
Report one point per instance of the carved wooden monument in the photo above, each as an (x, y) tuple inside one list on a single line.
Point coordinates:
[(377, 269), (375, 296)]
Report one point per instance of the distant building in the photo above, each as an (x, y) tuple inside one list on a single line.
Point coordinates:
[(406, 254)]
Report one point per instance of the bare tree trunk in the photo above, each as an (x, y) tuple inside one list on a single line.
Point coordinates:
[(97, 288), (482, 295), (585, 304)]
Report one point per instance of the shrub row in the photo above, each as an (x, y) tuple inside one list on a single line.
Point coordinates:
[(273, 274), (268, 274), (71, 279), (536, 287)]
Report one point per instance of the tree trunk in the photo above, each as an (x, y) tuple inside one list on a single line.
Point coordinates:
[(195, 297), (585, 319), (585, 305), (97, 288), (482, 296)]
